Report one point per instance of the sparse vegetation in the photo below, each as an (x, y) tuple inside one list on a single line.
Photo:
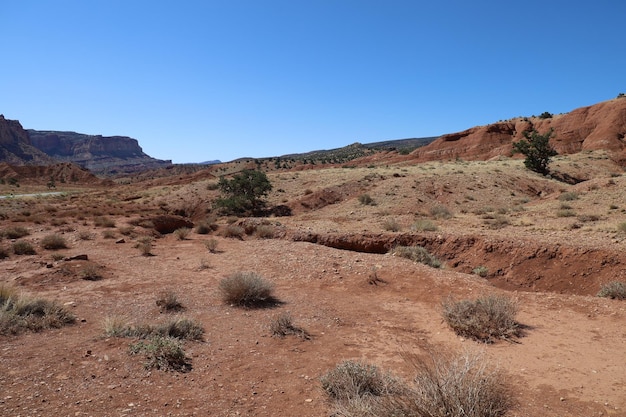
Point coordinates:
[(22, 247), (417, 254), (282, 325), (621, 227), (182, 233), (15, 232), (440, 212), (163, 353), (19, 313), (91, 273), (366, 200), (481, 271), (212, 245), (246, 289), (485, 319), (234, 231), (53, 242), (352, 380), (391, 225), (424, 225), (568, 196), (167, 301), (265, 231), (103, 221), (614, 289), (145, 246)]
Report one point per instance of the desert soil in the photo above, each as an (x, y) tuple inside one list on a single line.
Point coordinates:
[(570, 362)]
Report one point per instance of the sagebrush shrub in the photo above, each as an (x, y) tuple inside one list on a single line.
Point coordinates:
[(282, 325), (246, 289), (211, 245), (424, 225), (22, 247), (485, 319), (615, 290), (352, 379), (440, 212), (15, 232), (182, 233), (454, 385), (417, 254), (162, 353), (168, 301), (53, 242), (366, 200)]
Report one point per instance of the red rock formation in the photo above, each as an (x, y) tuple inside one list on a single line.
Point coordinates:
[(601, 126)]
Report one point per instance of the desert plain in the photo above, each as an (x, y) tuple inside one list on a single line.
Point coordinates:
[(547, 244)]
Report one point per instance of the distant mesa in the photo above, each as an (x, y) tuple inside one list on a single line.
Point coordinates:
[(99, 154)]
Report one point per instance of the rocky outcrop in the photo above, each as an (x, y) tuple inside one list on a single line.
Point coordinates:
[(100, 154), (16, 147), (601, 126)]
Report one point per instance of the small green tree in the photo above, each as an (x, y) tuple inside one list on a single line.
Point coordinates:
[(537, 150), (244, 192)]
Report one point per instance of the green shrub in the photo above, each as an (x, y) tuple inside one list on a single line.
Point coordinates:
[(243, 193), (246, 289), (485, 319), (22, 247), (162, 353), (53, 242), (615, 290), (417, 254)]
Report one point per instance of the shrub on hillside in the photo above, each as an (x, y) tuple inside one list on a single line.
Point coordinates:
[(615, 290), (53, 242), (417, 254), (15, 232), (162, 353), (22, 247)]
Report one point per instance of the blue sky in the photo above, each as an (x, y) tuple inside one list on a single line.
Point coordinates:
[(203, 80)]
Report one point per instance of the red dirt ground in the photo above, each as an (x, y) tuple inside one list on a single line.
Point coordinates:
[(571, 362)]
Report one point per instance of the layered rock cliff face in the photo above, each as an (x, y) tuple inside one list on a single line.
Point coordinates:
[(16, 147), (601, 126), (99, 154)]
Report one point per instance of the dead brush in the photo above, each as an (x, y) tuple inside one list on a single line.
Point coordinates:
[(247, 289), (282, 325), (167, 301), (485, 319)]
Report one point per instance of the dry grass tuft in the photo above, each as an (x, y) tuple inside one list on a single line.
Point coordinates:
[(53, 242), (19, 313), (417, 254), (168, 302), (282, 325)]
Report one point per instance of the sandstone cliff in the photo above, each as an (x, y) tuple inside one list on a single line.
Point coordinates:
[(601, 126), (100, 154), (16, 147)]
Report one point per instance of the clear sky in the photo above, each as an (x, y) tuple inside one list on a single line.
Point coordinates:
[(203, 80)]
